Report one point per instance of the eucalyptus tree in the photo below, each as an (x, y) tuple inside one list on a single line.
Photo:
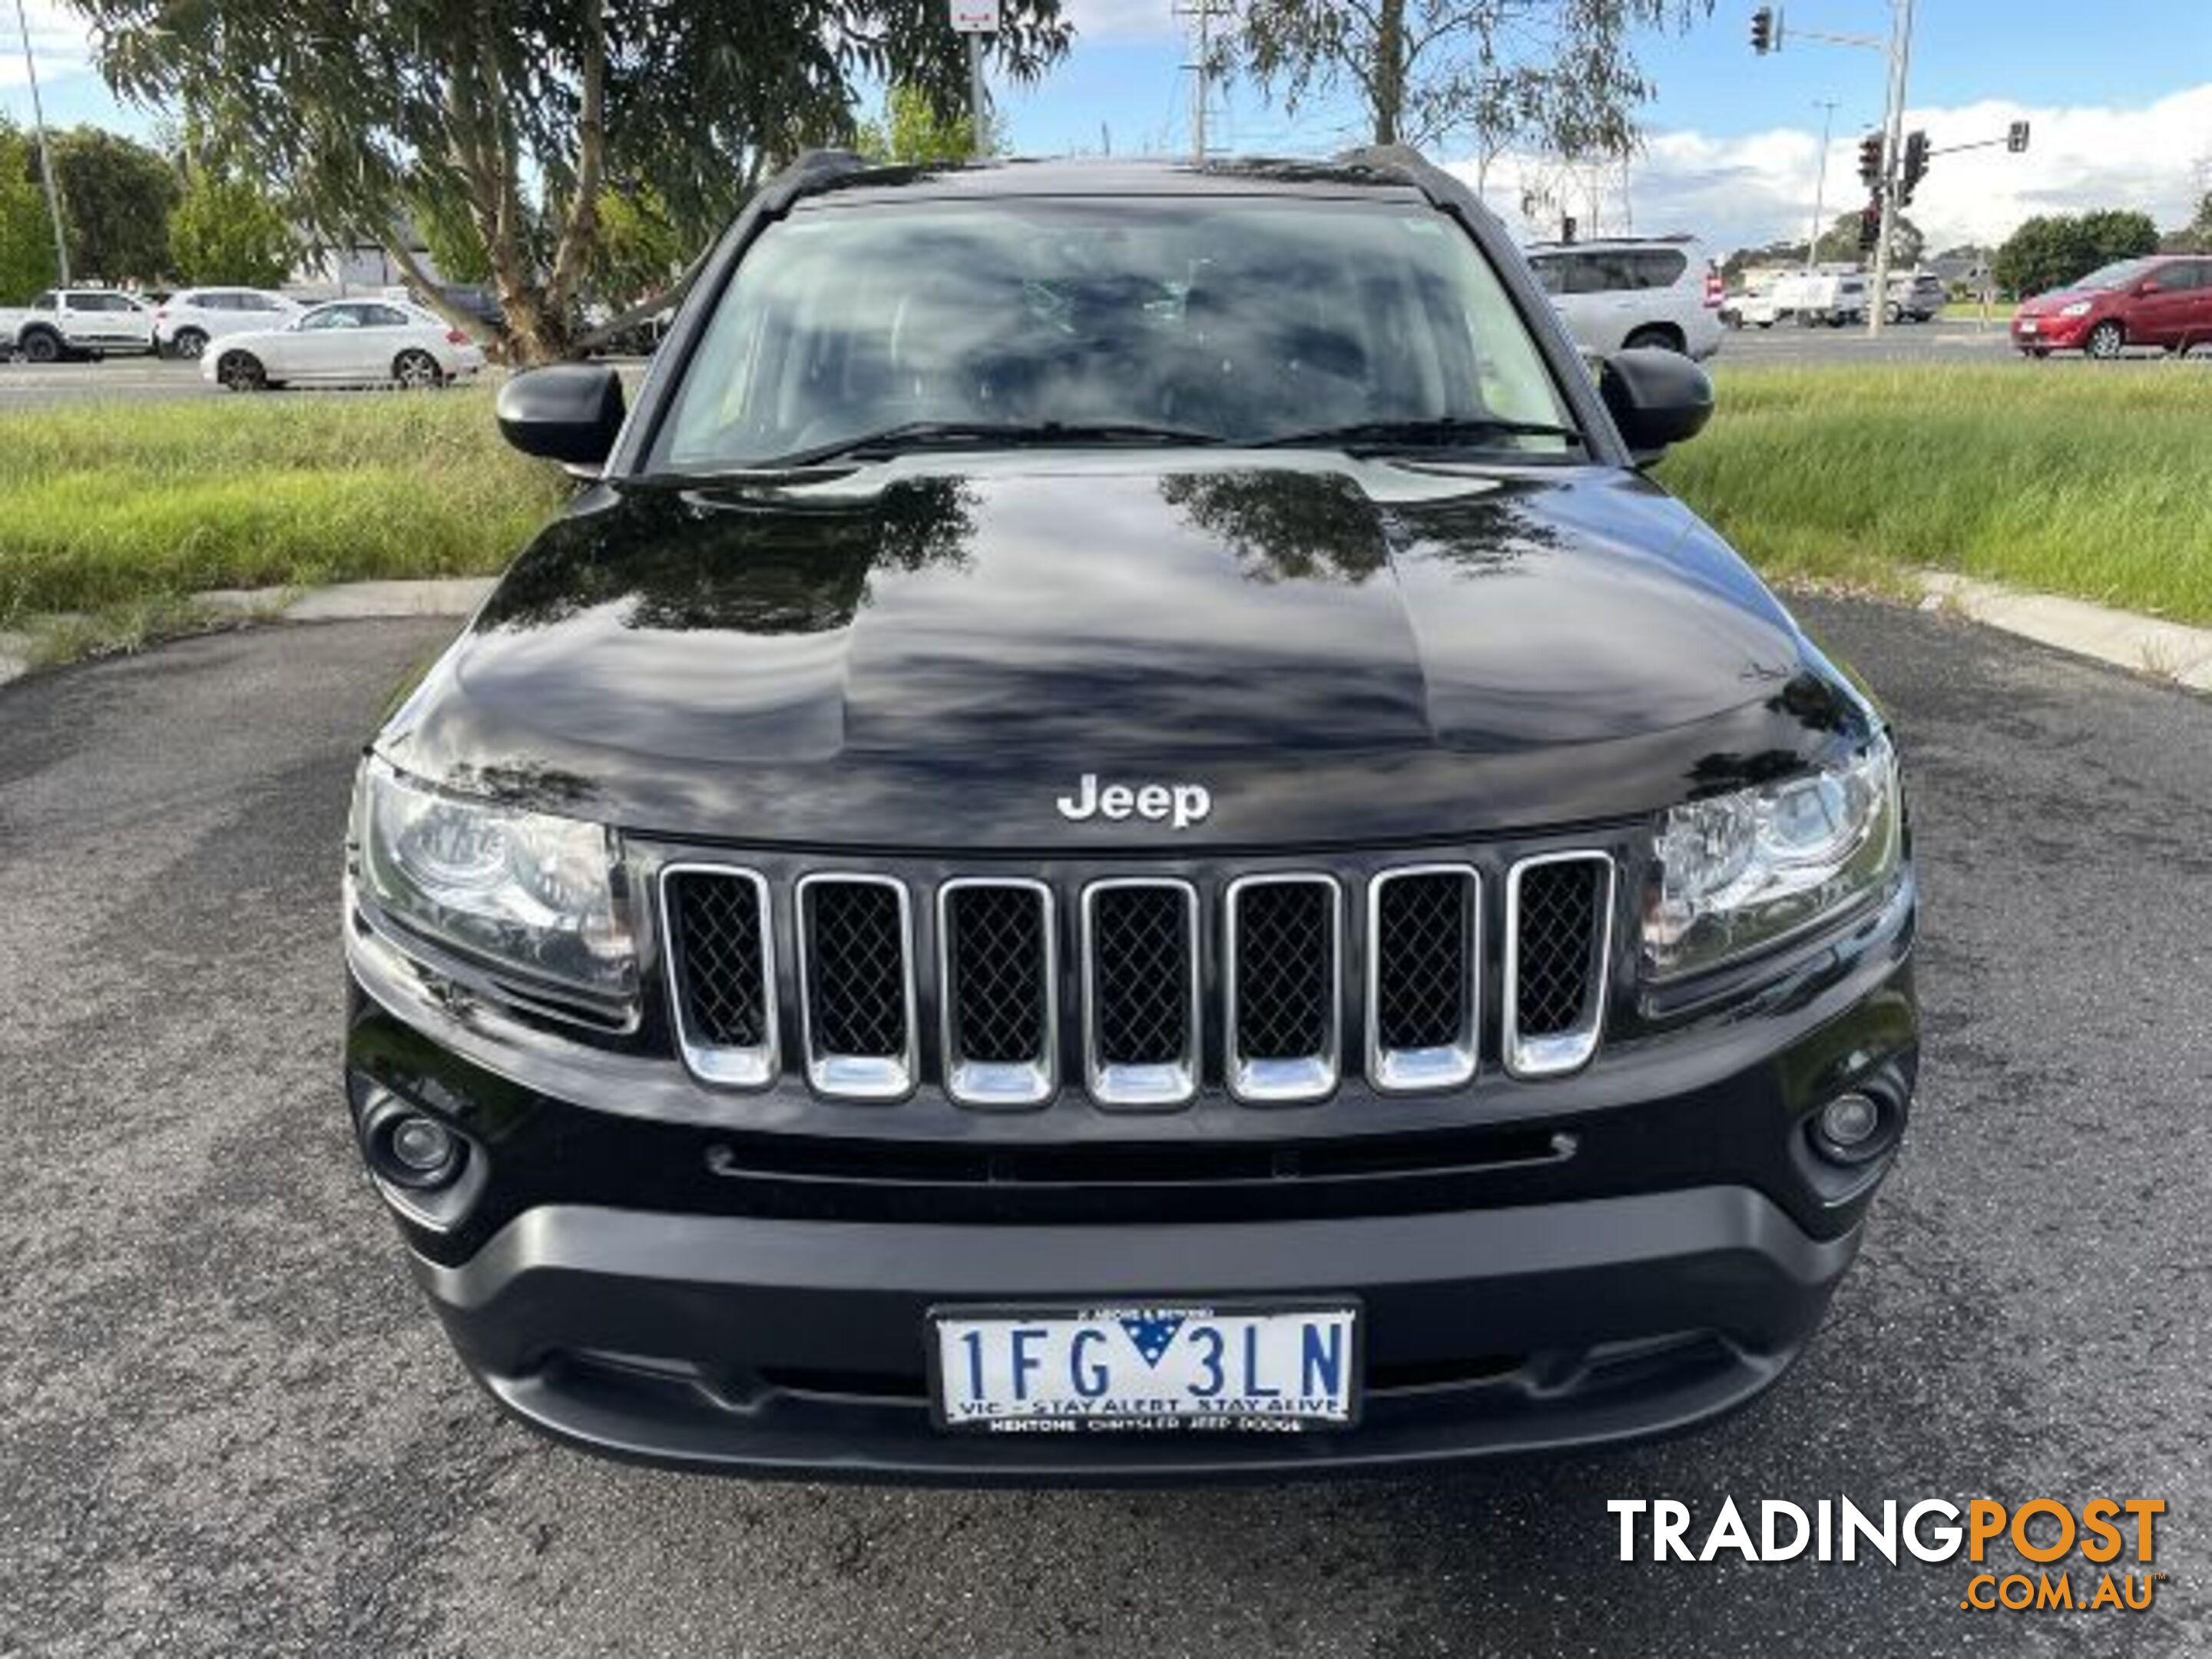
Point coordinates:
[(1559, 76), (520, 111)]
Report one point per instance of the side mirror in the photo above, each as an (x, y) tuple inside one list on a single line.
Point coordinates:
[(1656, 397), (2149, 285), (565, 412)]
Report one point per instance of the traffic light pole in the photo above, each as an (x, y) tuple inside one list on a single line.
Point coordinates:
[(1892, 153)]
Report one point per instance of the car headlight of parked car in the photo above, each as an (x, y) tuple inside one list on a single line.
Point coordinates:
[(1738, 873), (2076, 308), (523, 891)]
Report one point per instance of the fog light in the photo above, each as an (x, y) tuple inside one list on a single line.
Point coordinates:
[(420, 1151), (1849, 1119), (1851, 1128)]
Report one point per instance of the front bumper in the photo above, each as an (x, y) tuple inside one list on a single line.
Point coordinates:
[(2050, 332), (771, 1347), (1625, 1251)]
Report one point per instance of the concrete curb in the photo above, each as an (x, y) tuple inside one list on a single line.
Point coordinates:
[(2169, 651), (452, 596)]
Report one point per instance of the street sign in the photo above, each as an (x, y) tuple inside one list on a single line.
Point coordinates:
[(975, 16)]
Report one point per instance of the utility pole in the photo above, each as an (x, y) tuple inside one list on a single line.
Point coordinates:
[(1819, 182), (1200, 13), (1892, 151), (45, 151), (1198, 81)]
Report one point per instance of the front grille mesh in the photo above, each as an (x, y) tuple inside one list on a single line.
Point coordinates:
[(1286, 969), (714, 924), (1558, 969), (995, 958), (1279, 989), (1140, 959), (1425, 960), (856, 950)]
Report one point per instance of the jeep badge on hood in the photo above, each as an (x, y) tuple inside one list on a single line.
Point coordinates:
[(1181, 804)]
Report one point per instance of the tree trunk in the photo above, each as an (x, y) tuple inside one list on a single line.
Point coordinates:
[(580, 232), (395, 244), (1389, 83)]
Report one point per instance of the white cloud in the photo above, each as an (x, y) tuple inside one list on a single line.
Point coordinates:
[(60, 45), (1124, 20), (1745, 190)]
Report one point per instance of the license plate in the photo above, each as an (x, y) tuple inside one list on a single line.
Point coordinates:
[(1227, 1367), (2027, 328)]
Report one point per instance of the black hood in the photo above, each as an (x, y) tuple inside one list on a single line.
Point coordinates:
[(910, 658)]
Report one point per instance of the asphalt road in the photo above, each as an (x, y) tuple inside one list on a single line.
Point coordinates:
[(1904, 343), (113, 379), (229, 1428), (1900, 343)]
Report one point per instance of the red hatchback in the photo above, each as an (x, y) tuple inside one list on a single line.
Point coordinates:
[(2163, 302)]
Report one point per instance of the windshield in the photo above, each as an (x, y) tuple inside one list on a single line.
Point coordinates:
[(2116, 276), (1238, 319)]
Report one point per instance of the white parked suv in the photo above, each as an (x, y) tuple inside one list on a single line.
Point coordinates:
[(77, 322), (184, 322), (1634, 291)]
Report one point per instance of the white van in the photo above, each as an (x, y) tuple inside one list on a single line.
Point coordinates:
[(1811, 298)]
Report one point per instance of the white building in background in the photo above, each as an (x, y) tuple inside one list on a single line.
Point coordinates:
[(358, 267)]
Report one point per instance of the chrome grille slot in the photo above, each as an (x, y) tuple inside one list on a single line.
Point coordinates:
[(1558, 924), (856, 986), (1424, 976), (721, 972), (1282, 968), (1141, 1016), (997, 980)]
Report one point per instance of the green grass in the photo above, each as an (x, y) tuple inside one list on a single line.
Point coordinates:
[(1969, 310), (2085, 479), (106, 508)]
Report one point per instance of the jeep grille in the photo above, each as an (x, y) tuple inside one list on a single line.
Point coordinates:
[(1141, 987)]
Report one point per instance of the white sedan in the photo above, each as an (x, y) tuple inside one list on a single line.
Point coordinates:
[(348, 342)]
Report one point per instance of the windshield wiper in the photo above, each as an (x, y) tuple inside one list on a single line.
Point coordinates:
[(922, 434), (1437, 432)]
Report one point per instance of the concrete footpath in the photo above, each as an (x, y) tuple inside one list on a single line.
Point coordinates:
[(2145, 645)]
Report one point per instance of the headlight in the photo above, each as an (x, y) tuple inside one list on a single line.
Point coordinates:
[(1740, 872), (2078, 308), (529, 891)]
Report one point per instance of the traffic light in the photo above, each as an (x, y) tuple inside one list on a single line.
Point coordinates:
[(1765, 37), (1567, 228), (1914, 167), (2016, 137), (1870, 160), (1870, 226)]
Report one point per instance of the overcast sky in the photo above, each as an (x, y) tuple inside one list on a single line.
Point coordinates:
[(2122, 118)]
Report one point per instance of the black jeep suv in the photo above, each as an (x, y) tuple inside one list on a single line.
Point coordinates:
[(1118, 839)]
